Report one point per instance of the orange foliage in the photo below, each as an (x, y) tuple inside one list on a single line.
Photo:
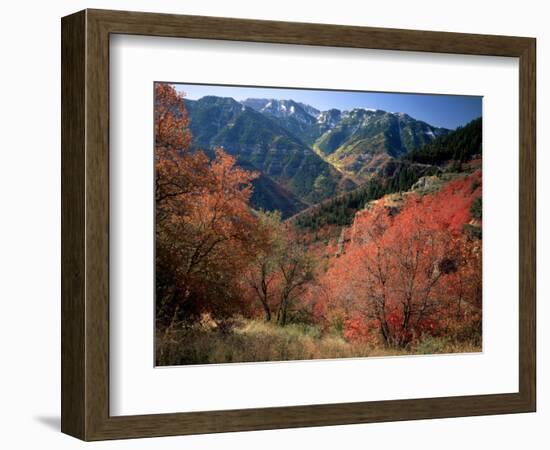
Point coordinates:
[(205, 230)]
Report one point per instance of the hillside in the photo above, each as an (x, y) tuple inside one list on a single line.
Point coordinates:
[(364, 140), (297, 118), (461, 145), (398, 175), (357, 142), (265, 145), (306, 156), (271, 196)]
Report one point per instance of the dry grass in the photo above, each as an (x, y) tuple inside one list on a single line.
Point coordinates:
[(254, 341)]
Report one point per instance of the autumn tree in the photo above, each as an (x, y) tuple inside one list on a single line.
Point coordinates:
[(178, 171), (410, 269), (263, 270), (282, 270), (204, 225), (296, 268)]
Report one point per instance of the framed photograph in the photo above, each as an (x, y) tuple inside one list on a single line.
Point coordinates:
[(272, 225)]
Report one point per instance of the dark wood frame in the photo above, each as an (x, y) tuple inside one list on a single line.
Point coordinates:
[(85, 224)]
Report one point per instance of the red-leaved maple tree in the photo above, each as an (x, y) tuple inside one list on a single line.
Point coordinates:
[(410, 270)]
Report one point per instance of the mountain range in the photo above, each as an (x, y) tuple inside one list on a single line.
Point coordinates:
[(304, 155)]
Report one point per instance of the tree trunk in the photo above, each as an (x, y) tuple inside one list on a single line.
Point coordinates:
[(282, 310), (267, 312), (265, 295), (283, 316)]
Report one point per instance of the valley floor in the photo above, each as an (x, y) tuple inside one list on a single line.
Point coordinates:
[(255, 341)]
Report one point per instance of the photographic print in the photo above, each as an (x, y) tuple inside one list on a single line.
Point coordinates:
[(300, 224)]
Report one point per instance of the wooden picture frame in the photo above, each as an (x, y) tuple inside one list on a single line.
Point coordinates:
[(85, 224)]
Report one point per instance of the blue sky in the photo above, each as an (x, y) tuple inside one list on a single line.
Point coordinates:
[(449, 111)]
